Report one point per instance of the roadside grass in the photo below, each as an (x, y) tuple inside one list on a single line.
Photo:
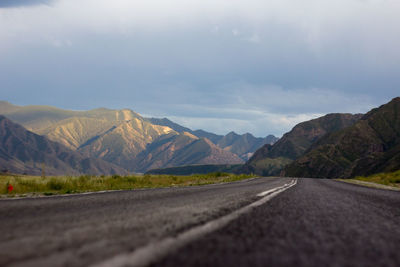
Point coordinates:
[(388, 179), (23, 185)]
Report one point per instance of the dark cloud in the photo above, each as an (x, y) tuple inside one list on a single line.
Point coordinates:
[(19, 3), (262, 69)]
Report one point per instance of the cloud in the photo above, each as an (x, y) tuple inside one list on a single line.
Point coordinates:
[(21, 3), (257, 65), (244, 108)]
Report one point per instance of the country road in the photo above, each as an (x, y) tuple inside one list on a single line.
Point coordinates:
[(257, 222)]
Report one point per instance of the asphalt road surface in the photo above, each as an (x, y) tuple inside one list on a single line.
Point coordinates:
[(258, 222)]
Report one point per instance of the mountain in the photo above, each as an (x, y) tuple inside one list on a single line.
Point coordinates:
[(244, 145), (370, 146), (22, 151), (166, 122), (180, 129), (210, 136), (269, 160), (34, 117), (180, 149), (116, 136), (123, 142)]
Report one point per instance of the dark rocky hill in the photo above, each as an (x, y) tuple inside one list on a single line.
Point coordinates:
[(369, 146), (269, 160)]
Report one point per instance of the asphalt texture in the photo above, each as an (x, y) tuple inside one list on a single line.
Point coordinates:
[(318, 222), (82, 230)]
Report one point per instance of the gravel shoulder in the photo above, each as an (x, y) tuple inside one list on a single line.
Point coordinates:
[(369, 184)]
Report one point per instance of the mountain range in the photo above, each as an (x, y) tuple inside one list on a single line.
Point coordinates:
[(242, 145), (126, 139), (335, 145), (105, 141)]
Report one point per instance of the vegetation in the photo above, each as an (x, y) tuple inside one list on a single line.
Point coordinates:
[(197, 169), (35, 185), (389, 178), (267, 166)]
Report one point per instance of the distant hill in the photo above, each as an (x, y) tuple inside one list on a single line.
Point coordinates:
[(166, 122), (22, 151), (215, 138), (270, 160), (196, 169), (242, 145), (180, 129), (369, 146), (179, 149), (34, 117)]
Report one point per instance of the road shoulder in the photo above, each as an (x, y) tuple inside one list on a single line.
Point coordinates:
[(368, 184)]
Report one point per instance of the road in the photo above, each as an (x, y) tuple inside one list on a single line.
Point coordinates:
[(316, 222)]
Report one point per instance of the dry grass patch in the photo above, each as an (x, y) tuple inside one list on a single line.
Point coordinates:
[(35, 185), (389, 178)]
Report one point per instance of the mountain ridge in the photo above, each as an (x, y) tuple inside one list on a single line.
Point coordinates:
[(242, 145), (269, 160), (180, 149), (118, 136), (22, 151), (369, 146)]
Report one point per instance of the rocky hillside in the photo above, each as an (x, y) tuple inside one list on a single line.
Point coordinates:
[(180, 149), (369, 146), (22, 151), (242, 145), (270, 160), (116, 136)]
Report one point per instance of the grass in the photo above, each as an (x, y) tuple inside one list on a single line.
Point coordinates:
[(36, 185), (390, 178)]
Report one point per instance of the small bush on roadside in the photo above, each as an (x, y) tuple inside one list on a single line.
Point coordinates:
[(131, 179), (55, 184)]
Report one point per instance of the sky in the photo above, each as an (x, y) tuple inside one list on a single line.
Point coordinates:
[(258, 66)]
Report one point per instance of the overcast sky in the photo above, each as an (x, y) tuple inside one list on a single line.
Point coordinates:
[(258, 66)]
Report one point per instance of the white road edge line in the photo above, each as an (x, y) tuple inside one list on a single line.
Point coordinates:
[(153, 252)]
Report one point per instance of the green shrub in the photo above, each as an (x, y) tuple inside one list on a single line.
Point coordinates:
[(395, 180), (131, 179), (55, 184)]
